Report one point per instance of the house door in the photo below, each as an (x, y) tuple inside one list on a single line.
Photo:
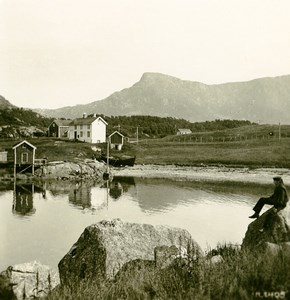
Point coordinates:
[(24, 158), (75, 135)]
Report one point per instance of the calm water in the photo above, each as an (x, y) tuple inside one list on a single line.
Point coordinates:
[(41, 222)]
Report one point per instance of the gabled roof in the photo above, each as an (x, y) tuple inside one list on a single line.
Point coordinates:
[(184, 130), (116, 132), (60, 122), (23, 142), (86, 121)]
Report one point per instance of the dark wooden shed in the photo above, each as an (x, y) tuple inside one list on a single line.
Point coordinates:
[(116, 140), (24, 155)]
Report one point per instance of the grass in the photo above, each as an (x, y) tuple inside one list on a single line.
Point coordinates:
[(251, 152), (239, 275)]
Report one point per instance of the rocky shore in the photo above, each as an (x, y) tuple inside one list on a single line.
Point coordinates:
[(205, 173)]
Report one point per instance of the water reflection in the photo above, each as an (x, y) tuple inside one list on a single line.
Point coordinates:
[(80, 195), (23, 199), (87, 194), (120, 185), (211, 211)]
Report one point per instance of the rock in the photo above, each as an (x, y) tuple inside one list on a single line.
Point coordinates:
[(165, 255), (216, 259), (103, 249), (271, 248), (272, 227), (32, 279), (66, 170), (6, 287)]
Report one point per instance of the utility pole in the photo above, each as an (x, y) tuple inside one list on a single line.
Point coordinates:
[(137, 136), (279, 131)]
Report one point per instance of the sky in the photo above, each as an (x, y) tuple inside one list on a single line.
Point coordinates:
[(56, 53)]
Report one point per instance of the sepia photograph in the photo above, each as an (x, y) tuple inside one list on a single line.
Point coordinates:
[(144, 149)]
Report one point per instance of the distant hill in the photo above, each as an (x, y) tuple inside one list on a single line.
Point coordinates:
[(5, 103), (265, 100)]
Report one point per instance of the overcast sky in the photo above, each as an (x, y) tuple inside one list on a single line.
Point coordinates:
[(55, 53)]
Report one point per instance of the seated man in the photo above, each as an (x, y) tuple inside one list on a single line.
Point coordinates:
[(279, 199)]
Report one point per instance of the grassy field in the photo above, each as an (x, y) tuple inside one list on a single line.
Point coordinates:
[(253, 153), (250, 146)]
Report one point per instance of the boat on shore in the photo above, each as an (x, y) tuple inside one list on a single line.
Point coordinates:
[(119, 161)]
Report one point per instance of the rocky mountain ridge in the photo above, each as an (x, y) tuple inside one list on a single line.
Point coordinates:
[(264, 100)]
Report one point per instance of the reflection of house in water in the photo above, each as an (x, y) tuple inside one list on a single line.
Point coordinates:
[(23, 199), (80, 195), (120, 185)]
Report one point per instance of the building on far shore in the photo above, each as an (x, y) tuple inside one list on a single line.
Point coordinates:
[(182, 131), (59, 128), (88, 129)]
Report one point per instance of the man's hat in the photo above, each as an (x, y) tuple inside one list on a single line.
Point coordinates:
[(277, 178)]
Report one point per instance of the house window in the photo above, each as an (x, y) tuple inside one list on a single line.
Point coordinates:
[(76, 127), (88, 134), (81, 133), (24, 157), (81, 126), (89, 127), (53, 125)]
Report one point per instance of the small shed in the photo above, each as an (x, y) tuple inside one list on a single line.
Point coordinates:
[(24, 156), (116, 140)]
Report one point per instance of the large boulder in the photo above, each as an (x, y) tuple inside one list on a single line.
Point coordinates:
[(28, 280), (270, 231), (103, 249)]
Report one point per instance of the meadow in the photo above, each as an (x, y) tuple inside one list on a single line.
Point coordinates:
[(251, 146)]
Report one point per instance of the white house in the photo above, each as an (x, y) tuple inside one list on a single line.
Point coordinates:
[(88, 129), (182, 131)]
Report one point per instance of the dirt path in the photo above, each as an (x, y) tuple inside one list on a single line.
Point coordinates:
[(261, 175)]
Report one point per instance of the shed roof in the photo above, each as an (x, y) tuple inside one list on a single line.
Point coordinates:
[(116, 132), (60, 122), (184, 130), (23, 142), (86, 121)]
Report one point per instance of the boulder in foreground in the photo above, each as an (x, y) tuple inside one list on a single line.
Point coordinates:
[(103, 249)]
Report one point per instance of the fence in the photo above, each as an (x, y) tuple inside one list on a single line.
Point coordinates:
[(206, 139)]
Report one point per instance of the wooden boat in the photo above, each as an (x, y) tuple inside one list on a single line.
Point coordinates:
[(119, 161)]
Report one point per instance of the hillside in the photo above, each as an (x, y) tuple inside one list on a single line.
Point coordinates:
[(19, 122), (5, 103), (264, 100)]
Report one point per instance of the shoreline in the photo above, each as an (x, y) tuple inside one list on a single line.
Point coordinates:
[(204, 173)]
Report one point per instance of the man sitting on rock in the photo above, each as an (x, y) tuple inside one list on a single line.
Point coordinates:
[(279, 199)]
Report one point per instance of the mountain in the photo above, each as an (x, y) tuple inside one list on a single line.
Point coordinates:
[(5, 103), (265, 100)]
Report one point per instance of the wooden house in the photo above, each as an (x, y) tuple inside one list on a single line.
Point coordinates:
[(59, 128), (24, 156), (88, 129), (182, 131), (116, 140)]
